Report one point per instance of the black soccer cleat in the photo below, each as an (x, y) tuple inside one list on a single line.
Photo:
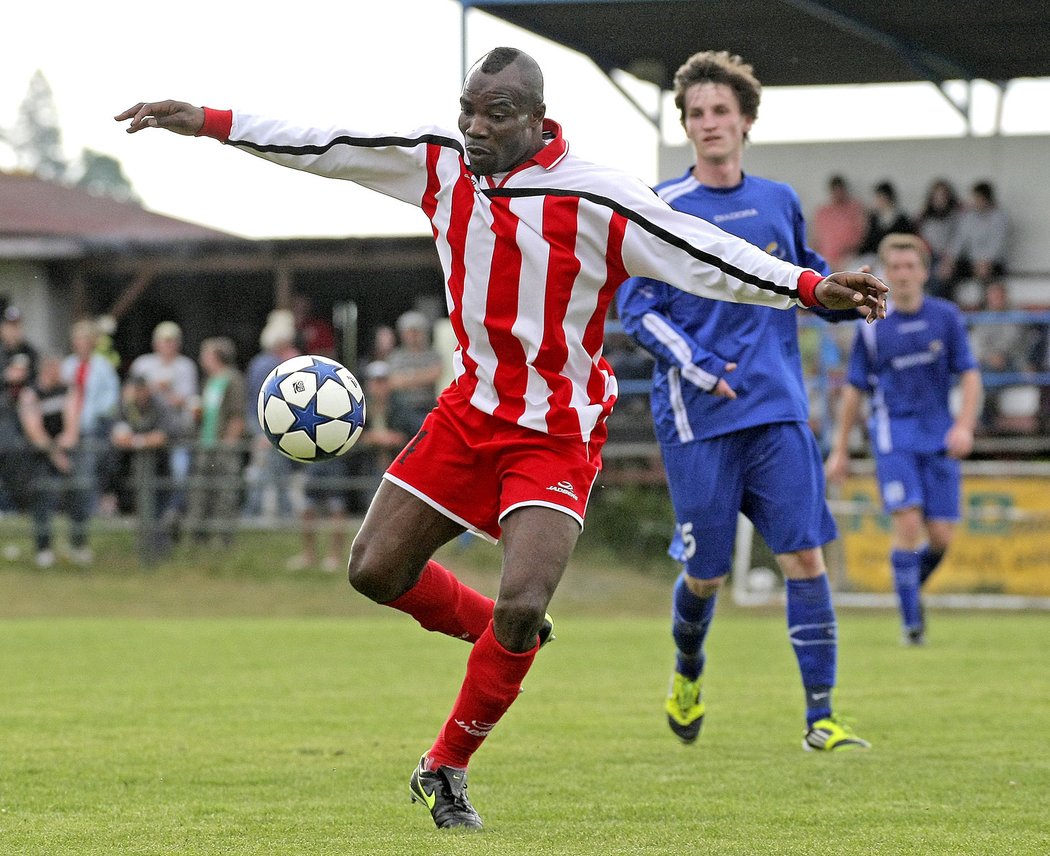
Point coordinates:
[(444, 792)]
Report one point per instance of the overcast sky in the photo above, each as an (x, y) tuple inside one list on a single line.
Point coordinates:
[(372, 66)]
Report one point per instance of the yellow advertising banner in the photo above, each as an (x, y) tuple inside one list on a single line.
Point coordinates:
[(1002, 543)]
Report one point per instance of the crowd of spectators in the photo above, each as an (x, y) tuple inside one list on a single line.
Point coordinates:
[(968, 238), (76, 439), (177, 441)]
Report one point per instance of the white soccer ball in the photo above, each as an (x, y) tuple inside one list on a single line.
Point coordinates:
[(311, 408), (761, 581)]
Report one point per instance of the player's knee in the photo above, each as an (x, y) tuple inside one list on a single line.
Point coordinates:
[(376, 573), (806, 564), (516, 621), (703, 588)]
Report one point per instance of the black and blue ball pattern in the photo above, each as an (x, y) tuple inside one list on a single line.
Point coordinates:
[(311, 408)]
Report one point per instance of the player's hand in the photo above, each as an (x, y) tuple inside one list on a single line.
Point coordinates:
[(176, 116), (722, 389), (854, 290), (959, 441), (836, 467)]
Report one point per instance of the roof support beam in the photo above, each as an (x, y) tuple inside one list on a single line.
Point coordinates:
[(930, 66), (655, 118)]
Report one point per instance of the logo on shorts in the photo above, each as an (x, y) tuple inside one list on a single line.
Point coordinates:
[(566, 488)]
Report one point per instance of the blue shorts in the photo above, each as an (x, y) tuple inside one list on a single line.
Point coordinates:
[(926, 480), (772, 473)]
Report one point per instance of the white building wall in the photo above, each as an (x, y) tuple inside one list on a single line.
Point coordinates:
[(1017, 166), (45, 313)]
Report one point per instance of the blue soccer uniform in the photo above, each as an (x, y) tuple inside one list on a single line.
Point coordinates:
[(908, 364), (753, 454)]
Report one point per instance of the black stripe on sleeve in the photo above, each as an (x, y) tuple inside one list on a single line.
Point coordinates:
[(360, 142), (657, 231)]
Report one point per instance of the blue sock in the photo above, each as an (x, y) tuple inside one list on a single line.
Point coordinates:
[(929, 559), (906, 565), (690, 619), (813, 632)]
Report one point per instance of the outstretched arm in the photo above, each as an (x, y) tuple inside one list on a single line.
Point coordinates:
[(401, 166), (176, 116)]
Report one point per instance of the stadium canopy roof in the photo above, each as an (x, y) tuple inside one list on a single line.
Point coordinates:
[(800, 42)]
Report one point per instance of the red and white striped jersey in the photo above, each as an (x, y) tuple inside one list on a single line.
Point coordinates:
[(531, 258)]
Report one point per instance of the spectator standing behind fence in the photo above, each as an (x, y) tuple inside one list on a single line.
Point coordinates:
[(325, 504), (384, 340), (314, 334), (13, 479), (21, 358), (215, 479), (268, 471), (978, 248), (140, 437), (95, 388), (48, 421), (839, 225), (938, 222), (885, 217), (173, 377), (380, 440), (13, 340), (414, 371), (908, 365), (1006, 347)]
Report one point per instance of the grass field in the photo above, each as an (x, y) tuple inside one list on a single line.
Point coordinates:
[(218, 707)]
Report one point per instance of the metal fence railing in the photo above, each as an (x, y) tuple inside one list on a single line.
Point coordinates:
[(1016, 417)]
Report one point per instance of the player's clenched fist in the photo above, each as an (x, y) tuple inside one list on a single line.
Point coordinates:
[(176, 116)]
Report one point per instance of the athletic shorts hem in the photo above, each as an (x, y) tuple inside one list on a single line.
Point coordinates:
[(416, 492), (541, 504)]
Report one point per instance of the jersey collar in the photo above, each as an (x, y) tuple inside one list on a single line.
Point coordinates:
[(555, 148)]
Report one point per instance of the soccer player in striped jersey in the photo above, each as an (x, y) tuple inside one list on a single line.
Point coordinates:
[(908, 368), (533, 243), (731, 410)]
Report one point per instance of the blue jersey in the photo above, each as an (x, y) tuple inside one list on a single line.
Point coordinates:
[(908, 363), (692, 338)]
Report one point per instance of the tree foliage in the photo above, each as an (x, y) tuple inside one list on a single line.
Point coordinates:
[(36, 136), (103, 175), (36, 140)]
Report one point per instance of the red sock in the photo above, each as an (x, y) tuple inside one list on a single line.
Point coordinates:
[(440, 602), (493, 681)]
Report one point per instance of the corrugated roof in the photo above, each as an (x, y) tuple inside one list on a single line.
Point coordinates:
[(31, 208), (800, 42)]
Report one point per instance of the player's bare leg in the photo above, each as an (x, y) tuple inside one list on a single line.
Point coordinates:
[(537, 544), (399, 534)]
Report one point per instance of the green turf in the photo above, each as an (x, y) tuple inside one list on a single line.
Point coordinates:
[(297, 735), (215, 704)]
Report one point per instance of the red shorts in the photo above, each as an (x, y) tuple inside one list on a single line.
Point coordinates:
[(475, 468)]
